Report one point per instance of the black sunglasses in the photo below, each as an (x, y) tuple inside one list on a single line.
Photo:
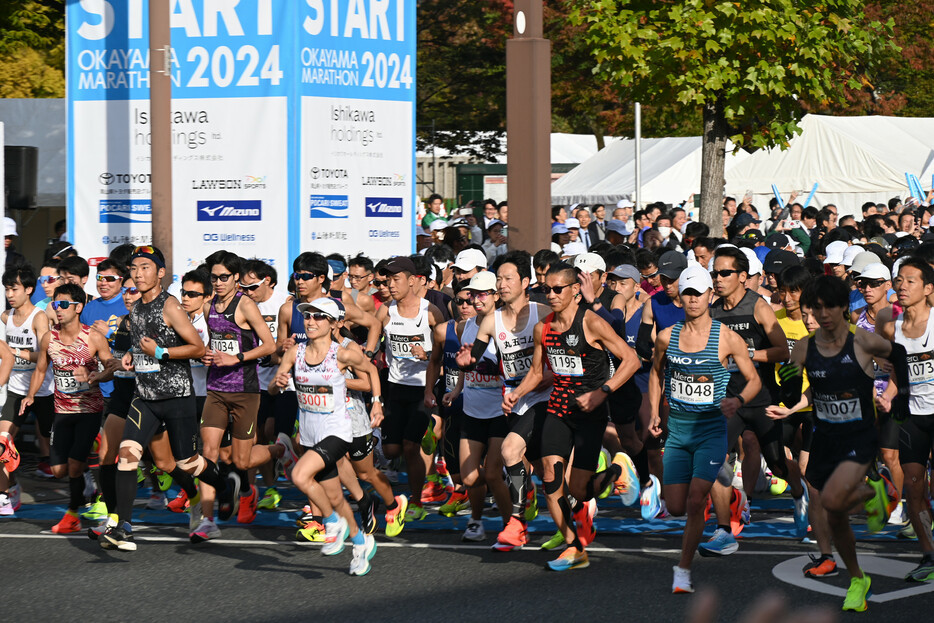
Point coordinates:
[(726, 272), (379, 283), (192, 294), (862, 284), (304, 276), (556, 289), (462, 300), (222, 278)]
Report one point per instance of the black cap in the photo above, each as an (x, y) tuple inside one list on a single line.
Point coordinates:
[(671, 263), (778, 260), (777, 241), (399, 265), (744, 219)]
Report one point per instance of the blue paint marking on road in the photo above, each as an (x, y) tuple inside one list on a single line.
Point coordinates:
[(763, 528)]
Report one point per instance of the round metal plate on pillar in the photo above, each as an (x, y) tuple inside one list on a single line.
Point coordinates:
[(528, 130)]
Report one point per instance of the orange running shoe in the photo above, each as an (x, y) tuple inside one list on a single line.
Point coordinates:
[(69, 524), (180, 503), (9, 455), (433, 492), (739, 511), (514, 536), (584, 521), (247, 510)]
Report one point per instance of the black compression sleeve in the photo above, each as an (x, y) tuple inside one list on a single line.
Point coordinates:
[(644, 342), (475, 353)]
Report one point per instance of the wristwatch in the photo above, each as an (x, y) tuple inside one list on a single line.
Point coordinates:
[(378, 399), (369, 354), (606, 389), (240, 357), (165, 354)]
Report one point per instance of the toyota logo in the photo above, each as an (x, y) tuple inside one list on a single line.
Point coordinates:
[(106, 178), (315, 172)]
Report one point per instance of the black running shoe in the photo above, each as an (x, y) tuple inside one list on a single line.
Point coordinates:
[(120, 537), (229, 501)]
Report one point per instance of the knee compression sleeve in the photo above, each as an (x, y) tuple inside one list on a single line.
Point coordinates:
[(135, 450), (553, 486), (194, 465)]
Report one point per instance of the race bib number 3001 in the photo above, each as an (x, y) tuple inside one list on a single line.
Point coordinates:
[(66, 383), (317, 399)]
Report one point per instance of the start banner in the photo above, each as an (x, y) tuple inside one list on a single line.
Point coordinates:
[(292, 120)]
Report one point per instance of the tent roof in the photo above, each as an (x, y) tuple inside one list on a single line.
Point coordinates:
[(40, 123), (565, 148), (869, 154)]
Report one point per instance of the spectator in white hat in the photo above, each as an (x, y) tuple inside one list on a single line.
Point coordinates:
[(495, 243), (13, 257)]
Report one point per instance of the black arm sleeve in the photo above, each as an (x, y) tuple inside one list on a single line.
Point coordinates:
[(790, 390), (644, 344), (899, 359), (476, 351)]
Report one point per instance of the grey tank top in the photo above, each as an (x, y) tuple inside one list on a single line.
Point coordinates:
[(157, 380)]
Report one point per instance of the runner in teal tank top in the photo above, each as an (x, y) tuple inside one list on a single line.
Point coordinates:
[(689, 365)]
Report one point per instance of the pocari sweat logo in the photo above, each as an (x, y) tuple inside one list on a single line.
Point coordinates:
[(329, 206), (125, 211), (384, 206), (230, 210)]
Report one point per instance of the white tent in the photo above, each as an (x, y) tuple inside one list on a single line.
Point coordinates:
[(565, 149), (670, 172), (40, 123), (852, 159)]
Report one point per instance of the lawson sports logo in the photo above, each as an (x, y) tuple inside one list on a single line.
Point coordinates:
[(384, 206), (244, 210), (125, 211)]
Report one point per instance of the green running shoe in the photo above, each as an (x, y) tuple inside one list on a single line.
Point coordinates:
[(429, 440), (163, 480), (603, 461), (923, 572), (456, 504), (140, 476), (531, 503), (415, 513), (96, 511), (857, 594), (877, 507), (270, 501), (395, 518), (556, 541)]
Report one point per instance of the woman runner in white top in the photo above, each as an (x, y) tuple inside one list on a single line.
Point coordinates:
[(324, 425)]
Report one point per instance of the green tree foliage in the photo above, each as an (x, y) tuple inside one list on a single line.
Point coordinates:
[(746, 65), (32, 48)]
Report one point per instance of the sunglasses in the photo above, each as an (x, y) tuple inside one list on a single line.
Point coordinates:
[(862, 284), (146, 249), (109, 278), (250, 287), (357, 277), (556, 289), (726, 272), (304, 276), (380, 283), (57, 305), (479, 296), (650, 275), (461, 300), (48, 279), (192, 294), (222, 278), (131, 291), (316, 316)]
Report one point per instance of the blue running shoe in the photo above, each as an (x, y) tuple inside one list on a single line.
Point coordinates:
[(569, 559), (801, 513), (650, 501), (721, 543)]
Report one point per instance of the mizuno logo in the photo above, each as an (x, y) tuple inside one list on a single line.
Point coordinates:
[(212, 211)]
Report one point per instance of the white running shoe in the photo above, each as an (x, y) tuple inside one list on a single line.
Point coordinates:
[(362, 554), (6, 506), (474, 531), (289, 459), (898, 516), (335, 533), (195, 515), (157, 502), (205, 531), (15, 492), (682, 581)]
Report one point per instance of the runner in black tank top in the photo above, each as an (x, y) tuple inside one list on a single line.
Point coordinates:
[(838, 361), (747, 314), (574, 343)]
